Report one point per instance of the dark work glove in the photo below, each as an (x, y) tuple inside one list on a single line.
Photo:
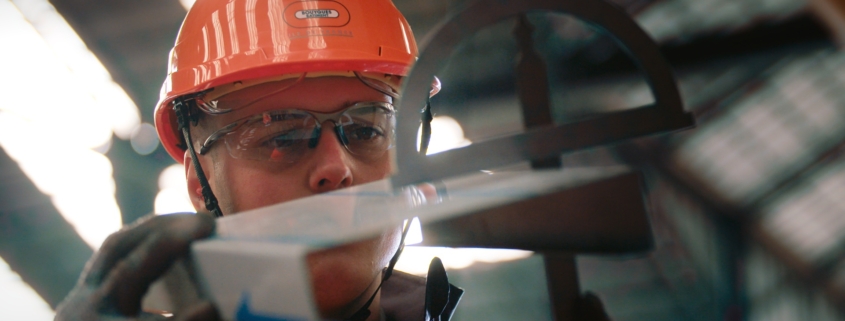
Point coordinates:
[(118, 275)]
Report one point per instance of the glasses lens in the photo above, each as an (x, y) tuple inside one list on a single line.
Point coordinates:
[(279, 136), (284, 136), (368, 130)]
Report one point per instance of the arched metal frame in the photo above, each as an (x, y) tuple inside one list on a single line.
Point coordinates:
[(665, 114)]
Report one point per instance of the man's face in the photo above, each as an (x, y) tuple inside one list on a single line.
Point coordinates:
[(339, 275)]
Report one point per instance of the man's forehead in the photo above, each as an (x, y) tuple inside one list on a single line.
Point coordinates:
[(325, 94)]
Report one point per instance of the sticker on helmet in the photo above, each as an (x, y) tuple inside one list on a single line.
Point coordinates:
[(316, 14)]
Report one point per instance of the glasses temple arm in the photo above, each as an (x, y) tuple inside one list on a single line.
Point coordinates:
[(183, 117)]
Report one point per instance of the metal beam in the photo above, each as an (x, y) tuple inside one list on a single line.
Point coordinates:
[(35, 240)]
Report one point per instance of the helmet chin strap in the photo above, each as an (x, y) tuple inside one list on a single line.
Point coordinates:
[(364, 312), (185, 119)]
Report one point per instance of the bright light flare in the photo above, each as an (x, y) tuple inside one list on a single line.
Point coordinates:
[(144, 139), (18, 301), (51, 120), (446, 134), (414, 232), (173, 191), (59, 106), (65, 54), (415, 259), (187, 4), (81, 188)]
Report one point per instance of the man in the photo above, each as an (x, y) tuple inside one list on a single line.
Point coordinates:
[(266, 102)]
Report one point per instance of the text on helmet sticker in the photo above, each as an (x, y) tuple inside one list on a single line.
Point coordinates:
[(316, 14)]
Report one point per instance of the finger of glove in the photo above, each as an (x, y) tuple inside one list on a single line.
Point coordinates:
[(131, 277), (117, 246), (204, 311)]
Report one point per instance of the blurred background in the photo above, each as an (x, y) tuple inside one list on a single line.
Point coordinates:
[(747, 209)]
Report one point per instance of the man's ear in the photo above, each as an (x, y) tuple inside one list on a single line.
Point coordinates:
[(194, 187)]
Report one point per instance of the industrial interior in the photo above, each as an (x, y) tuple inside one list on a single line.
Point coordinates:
[(746, 208)]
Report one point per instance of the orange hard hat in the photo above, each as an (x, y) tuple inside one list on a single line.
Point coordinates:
[(222, 42)]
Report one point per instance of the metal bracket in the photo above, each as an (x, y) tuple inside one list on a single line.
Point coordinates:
[(545, 142)]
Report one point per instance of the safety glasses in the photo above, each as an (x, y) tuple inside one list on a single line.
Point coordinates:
[(365, 129)]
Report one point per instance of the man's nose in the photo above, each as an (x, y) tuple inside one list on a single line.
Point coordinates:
[(332, 170)]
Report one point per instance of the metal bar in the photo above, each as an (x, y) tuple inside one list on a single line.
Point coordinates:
[(563, 287), (541, 143), (532, 87), (607, 216), (35, 240)]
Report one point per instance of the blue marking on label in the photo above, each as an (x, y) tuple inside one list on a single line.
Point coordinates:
[(244, 313)]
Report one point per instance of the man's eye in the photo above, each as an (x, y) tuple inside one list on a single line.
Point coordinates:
[(281, 142), (365, 133), (284, 140)]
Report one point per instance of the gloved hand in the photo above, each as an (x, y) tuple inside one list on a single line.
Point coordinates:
[(118, 275)]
